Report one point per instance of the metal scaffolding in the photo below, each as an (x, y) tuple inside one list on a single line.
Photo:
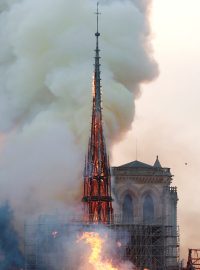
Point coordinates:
[(193, 259), (43, 249), (153, 247)]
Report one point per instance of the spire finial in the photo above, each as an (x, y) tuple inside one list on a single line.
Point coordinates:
[(97, 72), (157, 163), (97, 13)]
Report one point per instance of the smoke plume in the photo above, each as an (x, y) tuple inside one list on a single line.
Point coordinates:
[(46, 66)]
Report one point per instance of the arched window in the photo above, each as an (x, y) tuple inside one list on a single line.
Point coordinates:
[(148, 210), (127, 209)]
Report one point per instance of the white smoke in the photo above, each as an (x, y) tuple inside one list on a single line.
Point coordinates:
[(46, 65)]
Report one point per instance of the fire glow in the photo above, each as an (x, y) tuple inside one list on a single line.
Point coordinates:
[(96, 244)]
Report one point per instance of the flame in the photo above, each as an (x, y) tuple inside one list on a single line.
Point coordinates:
[(96, 242), (93, 86)]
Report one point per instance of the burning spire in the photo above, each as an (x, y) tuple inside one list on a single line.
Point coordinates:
[(97, 179)]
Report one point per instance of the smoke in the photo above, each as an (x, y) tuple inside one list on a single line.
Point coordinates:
[(10, 255), (46, 66), (78, 247)]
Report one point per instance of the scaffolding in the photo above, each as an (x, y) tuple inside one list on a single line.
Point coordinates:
[(41, 249), (193, 259), (154, 247), (46, 242)]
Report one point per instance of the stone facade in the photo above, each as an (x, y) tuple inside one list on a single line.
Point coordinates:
[(143, 194), (144, 197)]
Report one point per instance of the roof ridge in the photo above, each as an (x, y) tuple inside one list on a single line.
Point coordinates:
[(137, 164)]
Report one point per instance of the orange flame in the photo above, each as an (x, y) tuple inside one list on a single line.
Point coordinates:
[(95, 242)]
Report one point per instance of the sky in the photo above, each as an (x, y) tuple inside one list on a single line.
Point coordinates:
[(167, 112)]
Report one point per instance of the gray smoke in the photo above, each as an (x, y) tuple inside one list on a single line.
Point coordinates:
[(46, 66)]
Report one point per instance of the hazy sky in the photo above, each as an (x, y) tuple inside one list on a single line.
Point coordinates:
[(168, 111)]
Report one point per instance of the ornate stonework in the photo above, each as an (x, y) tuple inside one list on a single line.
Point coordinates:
[(144, 194)]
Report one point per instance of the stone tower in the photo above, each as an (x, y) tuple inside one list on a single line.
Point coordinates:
[(145, 198)]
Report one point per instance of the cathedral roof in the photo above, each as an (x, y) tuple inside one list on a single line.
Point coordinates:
[(140, 168), (136, 164)]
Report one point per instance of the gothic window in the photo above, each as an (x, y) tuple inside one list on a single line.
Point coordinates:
[(148, 210), (127, 209)]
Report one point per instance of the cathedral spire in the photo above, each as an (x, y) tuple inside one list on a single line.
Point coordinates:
[(97, 72), (97, 180)]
